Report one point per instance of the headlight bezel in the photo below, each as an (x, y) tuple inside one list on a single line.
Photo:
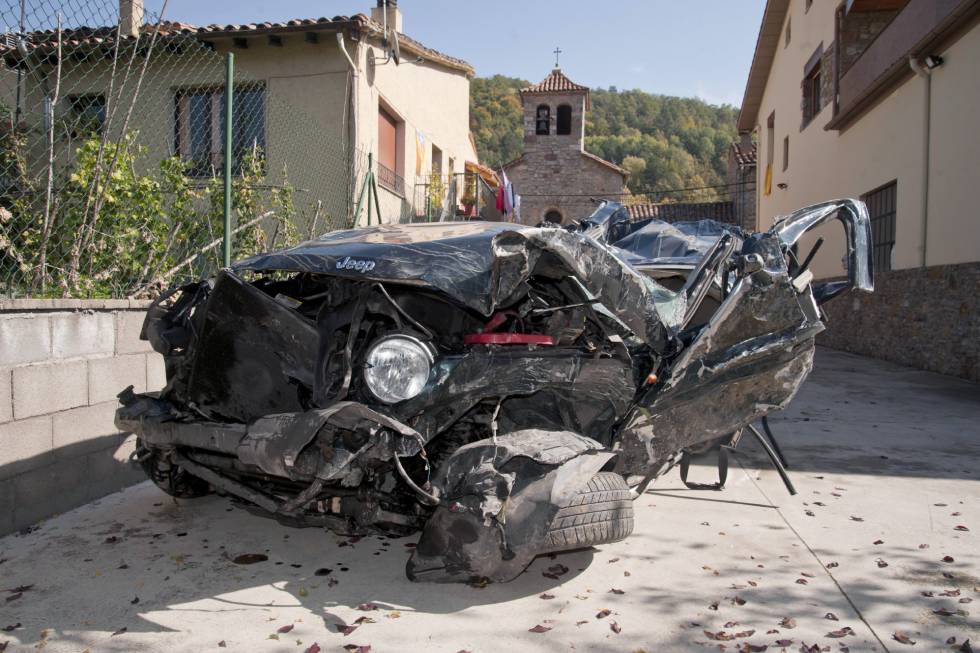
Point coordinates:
[(420, 346)]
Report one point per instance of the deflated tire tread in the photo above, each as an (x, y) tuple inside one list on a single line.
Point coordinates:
[(599, 513)]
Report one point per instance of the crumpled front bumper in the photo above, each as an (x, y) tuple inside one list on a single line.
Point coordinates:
[(275, 444)]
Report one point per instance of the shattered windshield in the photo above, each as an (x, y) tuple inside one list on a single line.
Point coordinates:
[(678, 243)]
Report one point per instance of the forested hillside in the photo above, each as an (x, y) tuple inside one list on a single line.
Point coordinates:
[(666, 142)]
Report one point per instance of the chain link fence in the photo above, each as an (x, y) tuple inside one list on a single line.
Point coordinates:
[(112, 150)]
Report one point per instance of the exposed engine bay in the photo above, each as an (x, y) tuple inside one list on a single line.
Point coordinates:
[(505, 389)]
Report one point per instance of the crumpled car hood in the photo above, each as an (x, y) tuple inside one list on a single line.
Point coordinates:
[(482, 265)]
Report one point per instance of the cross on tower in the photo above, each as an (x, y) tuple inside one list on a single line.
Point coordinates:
[(557, 52)]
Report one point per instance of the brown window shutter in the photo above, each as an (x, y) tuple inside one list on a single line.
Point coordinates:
[(387, 140)]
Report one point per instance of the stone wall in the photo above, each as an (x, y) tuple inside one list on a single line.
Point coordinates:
[(858, 30), (562, 180), (927, 318), (62, 362)]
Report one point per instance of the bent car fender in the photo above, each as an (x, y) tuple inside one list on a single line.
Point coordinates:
[(499, 499)]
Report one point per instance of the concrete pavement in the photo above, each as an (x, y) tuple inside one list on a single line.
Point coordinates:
[(885, 459)]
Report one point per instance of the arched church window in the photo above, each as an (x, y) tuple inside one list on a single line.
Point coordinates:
[(543, 120), (564, 123), (553, 217)]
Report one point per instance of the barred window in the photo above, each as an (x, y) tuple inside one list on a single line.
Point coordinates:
[(199, 127), (86, 114), (882, 209)]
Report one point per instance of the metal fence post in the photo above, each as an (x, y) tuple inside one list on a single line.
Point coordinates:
[(229, 108)]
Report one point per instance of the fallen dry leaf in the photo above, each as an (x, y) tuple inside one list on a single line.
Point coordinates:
[(555, 571), (744, 633), (802, 581), (881, 563), (602, 614), (831, 565), (616, 591), (314, 648), (613, 626), (948, 559), (713, 605), (738, 600), (720, 636), (394, 614), (285, 629), (222, 644), (249, 558), (787, 622), (961, 527), (367, 607), (752, 648), (546, 596), (119, 632), (843, 632), (784, 642), (540, 628), (902, 638), (965, 647), (831, 616)]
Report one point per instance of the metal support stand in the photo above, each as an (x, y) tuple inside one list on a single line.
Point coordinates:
[(370, 189), (774, 457), (229, 114), (772, 440)]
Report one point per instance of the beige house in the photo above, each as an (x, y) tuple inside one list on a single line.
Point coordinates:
[(878, 100), (316, 95)]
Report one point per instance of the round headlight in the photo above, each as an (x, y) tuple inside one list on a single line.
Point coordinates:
[(396, 368)]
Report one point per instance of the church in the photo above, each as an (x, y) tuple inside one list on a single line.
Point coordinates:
[(555, 177)]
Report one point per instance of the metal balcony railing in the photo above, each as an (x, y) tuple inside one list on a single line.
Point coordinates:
[(389, 179)]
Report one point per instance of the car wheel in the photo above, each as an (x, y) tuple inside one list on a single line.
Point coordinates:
[(170, 478), (599, 513)]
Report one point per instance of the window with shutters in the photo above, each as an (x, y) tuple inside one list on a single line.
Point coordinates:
[(812, 80), (199, 127), (390, 163)]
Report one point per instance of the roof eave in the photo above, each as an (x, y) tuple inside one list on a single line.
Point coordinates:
[(765, 50)]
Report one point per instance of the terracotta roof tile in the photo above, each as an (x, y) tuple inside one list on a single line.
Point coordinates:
[(92, 36), (744, 156), (555, 82)]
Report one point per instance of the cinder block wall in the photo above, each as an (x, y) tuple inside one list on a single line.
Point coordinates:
[(927, 318), (62, 362)]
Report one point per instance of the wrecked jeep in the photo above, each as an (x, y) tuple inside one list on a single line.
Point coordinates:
[(505, 389)]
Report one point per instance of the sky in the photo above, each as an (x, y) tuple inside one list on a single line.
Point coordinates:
[(693, 48)]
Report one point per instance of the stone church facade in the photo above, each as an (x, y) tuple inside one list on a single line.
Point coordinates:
[(555, 176)]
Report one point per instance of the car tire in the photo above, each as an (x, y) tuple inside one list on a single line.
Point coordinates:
[(173, 480), (599, 513)]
